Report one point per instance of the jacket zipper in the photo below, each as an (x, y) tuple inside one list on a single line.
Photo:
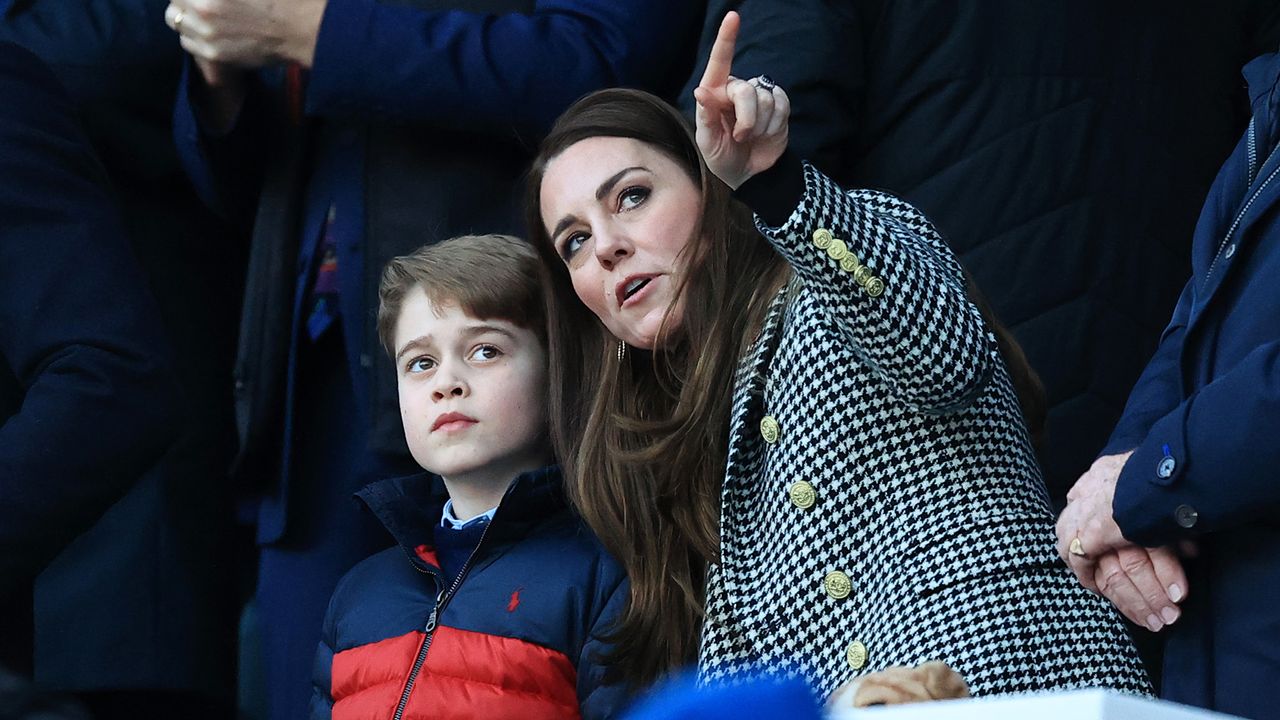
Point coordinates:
[(1253, 168), (433, 620)]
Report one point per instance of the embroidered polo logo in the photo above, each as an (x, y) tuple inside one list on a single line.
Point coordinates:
[(514, 602)]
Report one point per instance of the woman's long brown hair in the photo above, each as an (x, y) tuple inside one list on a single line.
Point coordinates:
[(643, 441)]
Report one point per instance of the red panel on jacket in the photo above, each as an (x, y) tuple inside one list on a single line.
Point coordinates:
[(467, 674)]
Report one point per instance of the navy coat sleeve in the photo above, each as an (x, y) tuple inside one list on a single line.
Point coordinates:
[(80, 337), (508, 75)]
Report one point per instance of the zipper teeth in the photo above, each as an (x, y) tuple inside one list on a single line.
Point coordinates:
[(1253, 150), (421, 659), (1240, 216)]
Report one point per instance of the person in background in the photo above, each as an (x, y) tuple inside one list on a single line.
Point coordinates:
[(515, 594), (88, 398), (348, 132), (799, 436), (1186, 486), (139, 615)]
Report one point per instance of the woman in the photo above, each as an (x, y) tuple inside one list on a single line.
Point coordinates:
[(800, 437)]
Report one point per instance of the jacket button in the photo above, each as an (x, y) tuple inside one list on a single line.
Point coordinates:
[(875, 287), (802, 495), (837, 250), (770, 430), (856, 655), (822, 238), (1166, 466), (862, 275), (837, 585), (1186, 516)]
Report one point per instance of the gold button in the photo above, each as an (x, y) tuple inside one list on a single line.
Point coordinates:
[(770, 429), (875, 287), (850, 263), (822, 238), (862, 274), (837, 585), (837, 250), (856, 655), (802, 495)]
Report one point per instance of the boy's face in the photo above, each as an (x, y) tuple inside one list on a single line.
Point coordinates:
[(472, 392)]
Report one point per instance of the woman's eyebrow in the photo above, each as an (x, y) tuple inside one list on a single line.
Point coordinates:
[(604, 189)]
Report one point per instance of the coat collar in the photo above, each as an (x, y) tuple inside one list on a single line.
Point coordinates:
[(410, 507)]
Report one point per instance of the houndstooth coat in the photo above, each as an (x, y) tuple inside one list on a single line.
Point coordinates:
[(882, 504)]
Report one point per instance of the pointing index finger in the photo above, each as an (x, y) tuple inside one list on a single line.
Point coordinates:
[(721, 59)]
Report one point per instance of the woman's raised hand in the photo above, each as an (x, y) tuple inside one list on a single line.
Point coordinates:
[(742, 124)]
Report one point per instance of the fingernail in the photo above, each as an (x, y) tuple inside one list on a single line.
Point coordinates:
[(1170, 615), (1175, 593), (1153, 623)]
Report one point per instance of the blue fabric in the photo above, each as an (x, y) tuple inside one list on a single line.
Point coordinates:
[(763, 699), (87, 397), (1203, 422)]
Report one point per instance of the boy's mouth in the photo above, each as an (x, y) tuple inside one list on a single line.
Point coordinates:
[(452, 420)]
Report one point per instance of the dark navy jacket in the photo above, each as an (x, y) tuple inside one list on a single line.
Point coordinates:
[(1205, 421), (520, 637), (87, 397)]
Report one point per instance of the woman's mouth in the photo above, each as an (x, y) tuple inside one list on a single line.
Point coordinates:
[(633, 287)]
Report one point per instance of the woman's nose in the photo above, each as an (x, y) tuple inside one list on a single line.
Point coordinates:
[(611, 246)]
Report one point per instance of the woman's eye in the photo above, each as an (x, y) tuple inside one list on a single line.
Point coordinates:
[(572, 244), (420, 364), (486, 352), (632, 198)]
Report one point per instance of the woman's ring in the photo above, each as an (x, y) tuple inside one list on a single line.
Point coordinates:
[(1077, 548), (764, 82)]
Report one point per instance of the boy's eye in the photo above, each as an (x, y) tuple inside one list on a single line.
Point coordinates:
[(486, 352), (632, 198), (420, 364)]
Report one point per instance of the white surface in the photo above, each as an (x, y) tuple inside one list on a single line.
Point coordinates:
[(1076, 705)]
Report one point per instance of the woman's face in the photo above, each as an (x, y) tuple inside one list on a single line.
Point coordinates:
[(620, 213)]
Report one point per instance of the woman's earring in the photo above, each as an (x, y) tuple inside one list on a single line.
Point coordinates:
[(622, 350)]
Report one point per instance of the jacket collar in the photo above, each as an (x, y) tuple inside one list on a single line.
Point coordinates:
[(410, 507)]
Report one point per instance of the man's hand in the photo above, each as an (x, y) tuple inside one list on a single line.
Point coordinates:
[(1144, 584), (246, 33)]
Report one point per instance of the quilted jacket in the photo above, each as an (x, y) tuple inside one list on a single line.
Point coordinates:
[(877, 451), (517, 635)]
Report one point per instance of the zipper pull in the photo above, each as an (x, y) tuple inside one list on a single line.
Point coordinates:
[(434, 618)]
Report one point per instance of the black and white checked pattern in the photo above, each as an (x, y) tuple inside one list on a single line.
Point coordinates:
[(900, 412)]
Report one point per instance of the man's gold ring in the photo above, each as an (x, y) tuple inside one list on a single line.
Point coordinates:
[(177, 21), (1077, 548)]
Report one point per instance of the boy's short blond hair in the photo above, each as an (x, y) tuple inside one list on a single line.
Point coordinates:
[(489, 277)]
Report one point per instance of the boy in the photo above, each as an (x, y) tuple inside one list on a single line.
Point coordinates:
[(495, 600)]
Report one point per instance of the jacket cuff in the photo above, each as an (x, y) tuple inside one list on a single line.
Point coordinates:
[(775, 193), (1152, 505)]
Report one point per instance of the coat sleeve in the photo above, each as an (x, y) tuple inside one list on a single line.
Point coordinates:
[(895, 291), (599, 695), (80, 336), (322, 668), (508, 73), (1219, 451)]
